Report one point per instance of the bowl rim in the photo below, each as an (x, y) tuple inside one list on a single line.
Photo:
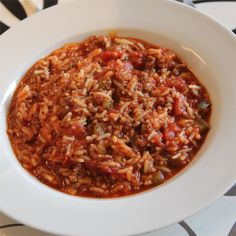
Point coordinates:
[(133, 198)]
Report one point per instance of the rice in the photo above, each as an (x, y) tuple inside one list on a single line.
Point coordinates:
[(97, 190), (151, 135), (123, 41), (105, 117), (104, 136)]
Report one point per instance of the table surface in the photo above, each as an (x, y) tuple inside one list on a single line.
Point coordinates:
[(219, 218)]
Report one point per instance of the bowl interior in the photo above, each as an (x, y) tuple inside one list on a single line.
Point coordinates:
[(194, 61)]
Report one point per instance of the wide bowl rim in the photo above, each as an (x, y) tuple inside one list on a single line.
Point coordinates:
[(134, 200)]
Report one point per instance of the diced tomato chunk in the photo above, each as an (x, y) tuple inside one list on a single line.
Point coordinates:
[(137, 59), (111, 55), (178, 83), (157, 139), (178, 106), (170, 131), (111, 63), (107, 170)]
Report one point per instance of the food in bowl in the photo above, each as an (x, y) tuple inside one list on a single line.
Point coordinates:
[(108, 117)]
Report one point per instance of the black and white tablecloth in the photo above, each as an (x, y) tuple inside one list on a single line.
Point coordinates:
[(219, 218)]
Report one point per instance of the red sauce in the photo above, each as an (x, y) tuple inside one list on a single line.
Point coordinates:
[(108, 117)]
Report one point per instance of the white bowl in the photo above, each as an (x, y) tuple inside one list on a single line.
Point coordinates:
[(205, 45)]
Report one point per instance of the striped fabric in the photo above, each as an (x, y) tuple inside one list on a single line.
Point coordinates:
[(218, 219)]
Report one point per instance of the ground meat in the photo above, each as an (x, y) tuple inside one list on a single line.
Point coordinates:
[(108, 117)]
